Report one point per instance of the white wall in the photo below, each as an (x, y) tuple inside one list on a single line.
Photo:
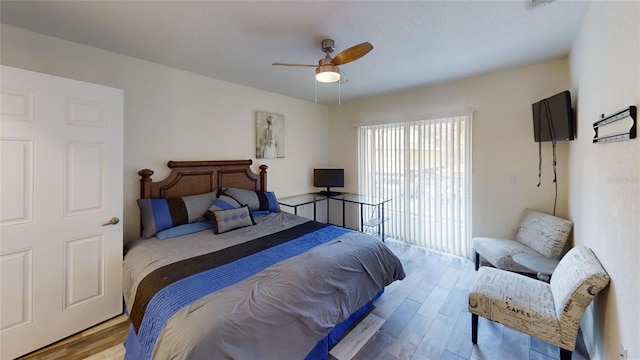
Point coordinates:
[(604, 179), (172, 114), (505, 157)]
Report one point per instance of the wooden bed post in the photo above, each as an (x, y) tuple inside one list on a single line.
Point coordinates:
[(263, 177), (145, 183)]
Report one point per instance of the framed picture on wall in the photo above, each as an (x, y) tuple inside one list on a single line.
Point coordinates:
[(269, 135)]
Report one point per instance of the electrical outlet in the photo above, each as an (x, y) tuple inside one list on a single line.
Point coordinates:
[(623, 352)]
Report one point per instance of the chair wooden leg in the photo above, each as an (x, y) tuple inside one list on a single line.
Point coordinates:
[(477, 261), (565, 354), (474, 328)]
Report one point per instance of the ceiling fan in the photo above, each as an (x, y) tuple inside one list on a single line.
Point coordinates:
[(327, 70)]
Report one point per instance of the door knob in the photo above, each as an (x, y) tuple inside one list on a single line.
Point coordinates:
[(113, 221)]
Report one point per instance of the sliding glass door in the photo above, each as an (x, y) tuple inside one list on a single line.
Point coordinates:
[(425, 167)]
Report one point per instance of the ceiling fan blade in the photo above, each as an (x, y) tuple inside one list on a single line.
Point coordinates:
[(287, 64), (352, 54)]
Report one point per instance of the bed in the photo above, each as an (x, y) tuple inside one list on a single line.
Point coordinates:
[(247, 282)]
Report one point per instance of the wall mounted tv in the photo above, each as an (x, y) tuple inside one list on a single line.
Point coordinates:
[(553, 118), (328, 178)]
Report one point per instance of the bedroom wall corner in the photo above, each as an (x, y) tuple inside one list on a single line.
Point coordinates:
[(604, 189), (171, 114), (505, 156)]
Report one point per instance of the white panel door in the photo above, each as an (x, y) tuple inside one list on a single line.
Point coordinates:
[(61, 174)]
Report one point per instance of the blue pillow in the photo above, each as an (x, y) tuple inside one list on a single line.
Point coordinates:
[(259, 213), (184, 230), (162, 214)]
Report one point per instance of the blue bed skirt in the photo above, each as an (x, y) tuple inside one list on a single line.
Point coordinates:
[(319, 352)]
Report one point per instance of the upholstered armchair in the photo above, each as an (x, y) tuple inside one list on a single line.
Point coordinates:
[(538, 234), (551, 312)]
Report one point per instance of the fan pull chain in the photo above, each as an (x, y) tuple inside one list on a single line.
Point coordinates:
[(315, 92)]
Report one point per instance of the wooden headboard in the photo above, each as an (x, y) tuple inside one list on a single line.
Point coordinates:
[(198, 177)]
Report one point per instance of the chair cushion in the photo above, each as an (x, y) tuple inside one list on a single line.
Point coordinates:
[(499, 252), (578, 278), (517, 301), (544, 233)]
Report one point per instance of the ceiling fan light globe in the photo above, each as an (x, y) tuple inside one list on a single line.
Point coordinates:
[(327, 74)]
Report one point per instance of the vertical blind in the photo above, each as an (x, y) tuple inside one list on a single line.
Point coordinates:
[(425, 168)]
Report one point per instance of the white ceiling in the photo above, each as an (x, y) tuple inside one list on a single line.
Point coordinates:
[(416, 43)]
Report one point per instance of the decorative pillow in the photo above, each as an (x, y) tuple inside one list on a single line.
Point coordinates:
[(161, 214), (231, 219), (222, 203), (184, 229), (257, 200)]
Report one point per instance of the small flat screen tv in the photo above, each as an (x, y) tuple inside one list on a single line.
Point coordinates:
[(328, 178), (553, 118)]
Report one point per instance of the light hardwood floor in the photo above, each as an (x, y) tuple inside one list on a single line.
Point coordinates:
[(426, 317), (422, 317), (103, 341)]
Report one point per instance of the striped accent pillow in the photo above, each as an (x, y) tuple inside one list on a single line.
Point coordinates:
[(256, 200), (224, 202), (162, 214)]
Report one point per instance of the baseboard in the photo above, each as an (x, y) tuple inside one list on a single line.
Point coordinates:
[(587, 323)]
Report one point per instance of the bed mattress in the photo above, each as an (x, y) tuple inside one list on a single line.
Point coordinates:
[(268, 291)]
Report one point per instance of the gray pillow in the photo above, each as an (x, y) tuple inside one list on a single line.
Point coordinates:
[(162, 214), (231, 219), (257, 200)]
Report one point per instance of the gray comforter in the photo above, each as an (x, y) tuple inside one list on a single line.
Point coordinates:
[(279, 313)]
